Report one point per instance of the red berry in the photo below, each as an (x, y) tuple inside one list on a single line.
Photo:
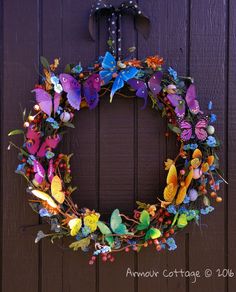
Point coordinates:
[(163, 240), (167, 214), (172, 231), (168, 222), (156, 241), (61, 165), (135, 248), (126, 249), (91, 262), (161, 211), (150, 242), (93, 258), (104, 258), (160, 219), (112, 259), (167, 234), (158, 247)]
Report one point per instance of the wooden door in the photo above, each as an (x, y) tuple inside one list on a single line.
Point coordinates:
[(119, 149)]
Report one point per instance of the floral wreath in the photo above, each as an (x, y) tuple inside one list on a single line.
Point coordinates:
[(193, 176)]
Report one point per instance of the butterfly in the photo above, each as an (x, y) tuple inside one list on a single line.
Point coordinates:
[(110, 69), (172, 187), (40, 171), (199, 130), (75, 91), (33, 143), (58, 196), (142, 87), (46, 102), (180, 105)]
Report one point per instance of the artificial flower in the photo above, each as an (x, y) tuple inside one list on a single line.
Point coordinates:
[(171, 243), (173, 73), (212, 118), (151, 210), (211, 141), (91, 221), (154, 62), (134, 62), (75, 225)]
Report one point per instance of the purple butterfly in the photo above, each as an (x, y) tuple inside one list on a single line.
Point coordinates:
[(75, 91), (141, 86), (199, 130), (40, 172), (46, 101), (179, 103)]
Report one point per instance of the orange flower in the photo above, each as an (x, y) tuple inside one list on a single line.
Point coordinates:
[(151, 210), (134, 62), (50, 209), (154, 62)]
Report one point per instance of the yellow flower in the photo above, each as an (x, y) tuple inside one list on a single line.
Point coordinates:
[(75, 225), (91, 221), (168, 163), (152, 209)]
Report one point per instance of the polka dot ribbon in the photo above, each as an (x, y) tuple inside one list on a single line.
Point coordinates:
[(114, 16)]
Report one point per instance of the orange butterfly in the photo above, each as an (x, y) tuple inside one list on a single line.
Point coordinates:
[(172, 187)]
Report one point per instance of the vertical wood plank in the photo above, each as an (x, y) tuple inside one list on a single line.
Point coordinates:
[(81, 141), (20, 60), (116, 128), (207, 66), (231, 62), (167, 20)]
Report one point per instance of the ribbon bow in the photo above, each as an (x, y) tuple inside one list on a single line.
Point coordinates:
[(142, 22)]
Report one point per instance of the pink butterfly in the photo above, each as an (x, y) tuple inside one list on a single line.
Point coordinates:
[(46, 102), (40, 172), (199, 130), (33, 143)]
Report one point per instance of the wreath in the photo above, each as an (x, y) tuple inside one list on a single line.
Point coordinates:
[(193, 177)]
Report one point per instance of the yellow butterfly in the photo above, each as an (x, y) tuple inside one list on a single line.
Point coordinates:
[(58, 195), (48, 82), (172, 187)]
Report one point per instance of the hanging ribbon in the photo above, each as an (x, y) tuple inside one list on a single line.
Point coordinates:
[(142, 22)]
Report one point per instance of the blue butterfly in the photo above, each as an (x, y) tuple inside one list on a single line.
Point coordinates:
[(110, 67)]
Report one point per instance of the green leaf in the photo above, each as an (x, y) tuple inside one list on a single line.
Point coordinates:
[(69, 125), (182, 221), (144, 220), (44, 62), (153, 233), (67, 68), (80, 244), (109, 43), (175, 219), (106, 230), (15, 132), (174, 129)]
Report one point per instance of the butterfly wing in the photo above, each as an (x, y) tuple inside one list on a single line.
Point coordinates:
[(123, 76), (186, 128), (45, 197), (179, 104), (44, 99), (172, 184), (48, 144), (56, 101), (154, 83), (51, 170), (39, 172), (56, 189), (200, 130), (141, 89), (74, 98), (109, 67), (192, 103), (91, 88), (33, 141)]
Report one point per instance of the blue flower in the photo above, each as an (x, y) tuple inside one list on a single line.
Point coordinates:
[(186, 200), (171, 243), (182, 210), (212, 118), (192, 146), (31, 159), (44, 213), (212, 167), (210, 104), (53, 123), (85, 231), (207, 210), (211, 141), (171, 209), (173, 73), (20, 168)]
